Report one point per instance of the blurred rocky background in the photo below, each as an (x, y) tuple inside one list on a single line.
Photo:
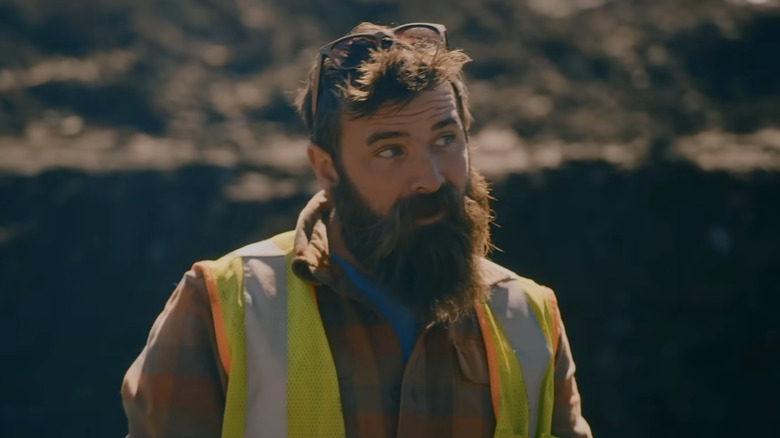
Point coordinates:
[(634, 148)]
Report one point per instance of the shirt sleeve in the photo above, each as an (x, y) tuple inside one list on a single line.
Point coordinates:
[(176, 386), (568, 421)]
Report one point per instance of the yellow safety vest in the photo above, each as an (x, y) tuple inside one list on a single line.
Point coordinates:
[(313, 407)]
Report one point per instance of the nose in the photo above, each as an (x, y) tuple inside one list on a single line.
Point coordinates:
[(428, 177)]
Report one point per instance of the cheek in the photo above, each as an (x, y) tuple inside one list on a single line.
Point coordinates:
[(380, 194), (457, 170), (377, 190)]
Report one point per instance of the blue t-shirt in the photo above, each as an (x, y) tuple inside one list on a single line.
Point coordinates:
[(404, 324)]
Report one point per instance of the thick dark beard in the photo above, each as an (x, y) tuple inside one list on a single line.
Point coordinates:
[(433, 269)]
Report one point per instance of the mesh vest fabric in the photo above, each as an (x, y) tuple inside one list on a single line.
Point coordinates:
[(313, 400)]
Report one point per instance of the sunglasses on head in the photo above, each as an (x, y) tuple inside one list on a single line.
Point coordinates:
[(347, 53)]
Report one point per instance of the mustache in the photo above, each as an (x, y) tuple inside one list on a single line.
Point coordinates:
[(405, 213), (446, 200), (402, 219)]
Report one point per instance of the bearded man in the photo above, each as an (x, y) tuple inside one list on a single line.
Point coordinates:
[(379, 314)]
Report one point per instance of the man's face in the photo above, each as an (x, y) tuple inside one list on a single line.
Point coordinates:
[(410, 213), (398, 153)]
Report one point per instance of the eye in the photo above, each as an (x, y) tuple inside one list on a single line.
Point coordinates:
[(445, 140), (389, 152)]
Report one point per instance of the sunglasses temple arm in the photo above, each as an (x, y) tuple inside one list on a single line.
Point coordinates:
[(315, 91)]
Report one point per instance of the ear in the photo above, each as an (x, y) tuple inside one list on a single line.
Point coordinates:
[(322, 164)]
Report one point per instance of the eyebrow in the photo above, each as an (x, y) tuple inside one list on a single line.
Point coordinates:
[(444, 123), (384, 135)]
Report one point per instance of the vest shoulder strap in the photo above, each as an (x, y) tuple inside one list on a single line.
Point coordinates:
[(514, 299), (312, 393)]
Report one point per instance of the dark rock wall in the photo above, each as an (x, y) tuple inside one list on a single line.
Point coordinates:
[(668, 281)]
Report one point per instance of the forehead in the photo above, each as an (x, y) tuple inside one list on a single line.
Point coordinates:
[(422, 112)]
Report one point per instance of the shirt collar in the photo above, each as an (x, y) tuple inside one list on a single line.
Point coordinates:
[(311, 251)]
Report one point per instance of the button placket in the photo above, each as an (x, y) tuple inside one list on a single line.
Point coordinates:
[(412, 387)]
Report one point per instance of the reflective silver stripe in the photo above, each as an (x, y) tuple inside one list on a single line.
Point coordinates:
[(265, 325), (512, 310)]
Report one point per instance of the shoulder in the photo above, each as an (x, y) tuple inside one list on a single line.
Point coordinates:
[(276, 246), (504, 281), (511, 293), (260, 264), (518, 298)]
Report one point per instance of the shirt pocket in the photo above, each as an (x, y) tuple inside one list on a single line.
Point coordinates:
[(472, 398)]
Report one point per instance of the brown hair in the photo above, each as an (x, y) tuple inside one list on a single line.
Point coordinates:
[(395, 75)]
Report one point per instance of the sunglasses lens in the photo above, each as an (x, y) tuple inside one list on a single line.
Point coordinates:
[(350, 52), (420, 37)]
